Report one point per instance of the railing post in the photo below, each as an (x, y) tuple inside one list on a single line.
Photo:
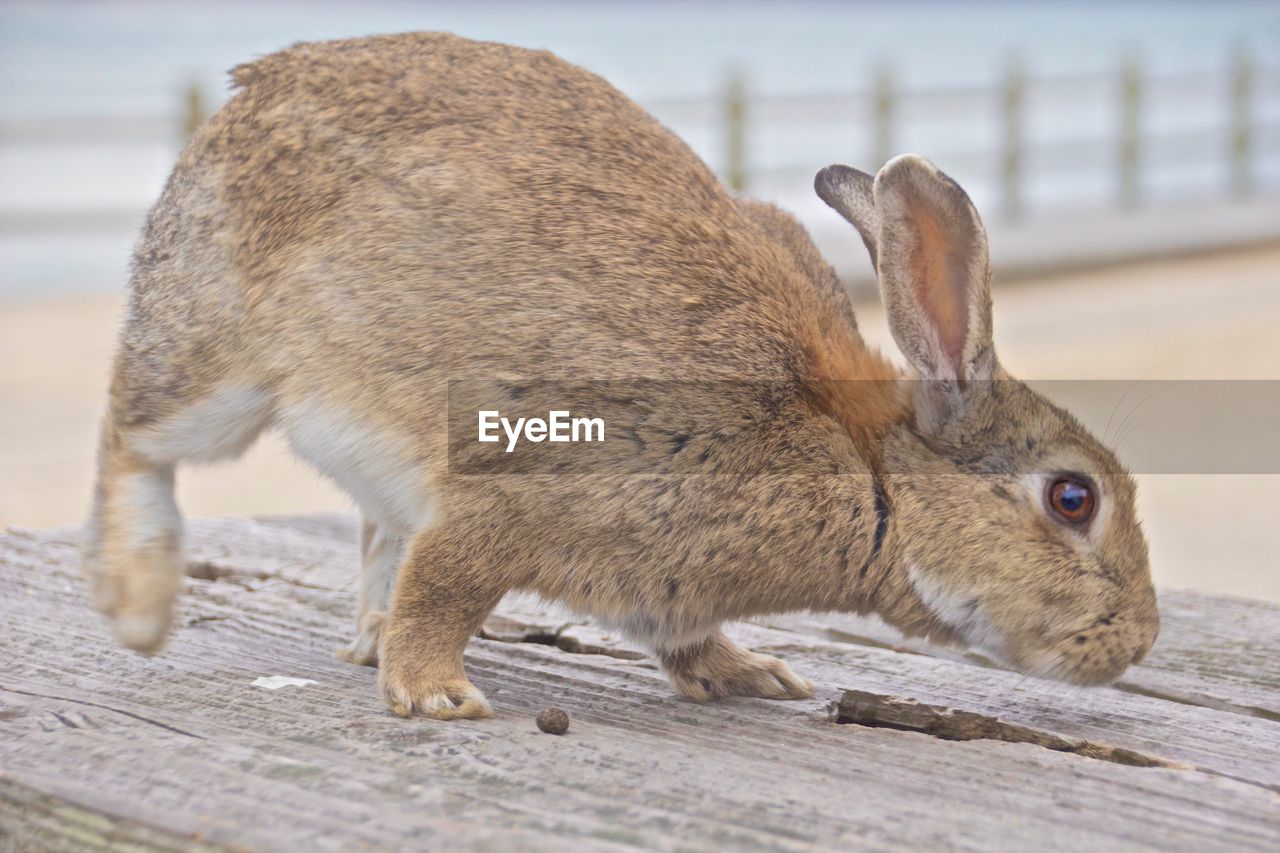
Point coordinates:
[(735, 116), (1011, 160), (1241, 123), (194, 110), (883, 107), (1130, 131)]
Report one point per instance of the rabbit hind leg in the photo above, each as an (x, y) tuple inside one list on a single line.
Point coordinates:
[(133, 555), (382, 550)]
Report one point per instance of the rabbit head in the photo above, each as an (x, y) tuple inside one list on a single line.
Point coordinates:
[(1016, 528)]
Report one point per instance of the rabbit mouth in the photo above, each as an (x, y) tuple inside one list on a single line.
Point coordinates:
[(959, 614), (1058, 665)]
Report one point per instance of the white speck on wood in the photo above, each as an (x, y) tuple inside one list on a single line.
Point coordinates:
[(275, 682)]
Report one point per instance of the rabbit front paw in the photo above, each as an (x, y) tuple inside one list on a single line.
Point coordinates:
[(415, 680), (451, 699)]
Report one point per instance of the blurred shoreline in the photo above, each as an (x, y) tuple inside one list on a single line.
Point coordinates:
[(1206, 317), (1085, 135)]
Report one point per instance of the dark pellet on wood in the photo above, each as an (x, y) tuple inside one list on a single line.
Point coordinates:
[(553, 721)]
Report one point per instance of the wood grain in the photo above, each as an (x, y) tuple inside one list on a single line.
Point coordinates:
[(100, 747)]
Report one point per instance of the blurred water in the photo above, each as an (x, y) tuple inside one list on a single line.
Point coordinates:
[(133, 58)]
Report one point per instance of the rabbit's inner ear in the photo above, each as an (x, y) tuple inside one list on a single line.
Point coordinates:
[(939, 271), (933, 270)]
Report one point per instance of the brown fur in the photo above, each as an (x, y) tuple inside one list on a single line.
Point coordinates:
[(367, 220)]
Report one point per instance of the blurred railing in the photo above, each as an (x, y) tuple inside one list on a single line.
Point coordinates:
[(875, 117), (1240, 86)]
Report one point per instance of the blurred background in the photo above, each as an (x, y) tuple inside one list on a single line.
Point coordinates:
[(1125, 155)]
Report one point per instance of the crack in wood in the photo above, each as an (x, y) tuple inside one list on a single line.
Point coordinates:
[(556, 637), (208, 570), (137, 717), (891, 712), (1199, 701), (203, 619)]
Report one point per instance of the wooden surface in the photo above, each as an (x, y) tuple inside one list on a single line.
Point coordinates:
[(102, 747)]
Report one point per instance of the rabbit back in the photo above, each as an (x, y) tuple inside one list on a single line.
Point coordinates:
[(389, 198)]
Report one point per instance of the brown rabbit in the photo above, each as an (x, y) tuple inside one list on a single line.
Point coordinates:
[(367, 220)]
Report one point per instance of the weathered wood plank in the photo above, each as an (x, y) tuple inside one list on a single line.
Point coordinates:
[(31, 819), (185, 746), (1218, 651)]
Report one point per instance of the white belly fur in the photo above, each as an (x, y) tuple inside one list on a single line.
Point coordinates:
[(372, 464), (221, 426)]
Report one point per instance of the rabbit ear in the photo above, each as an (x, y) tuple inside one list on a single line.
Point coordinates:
[(933, 271), (850, 193)]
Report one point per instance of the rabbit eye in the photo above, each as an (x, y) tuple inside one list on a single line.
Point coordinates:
[(1071, 498)]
